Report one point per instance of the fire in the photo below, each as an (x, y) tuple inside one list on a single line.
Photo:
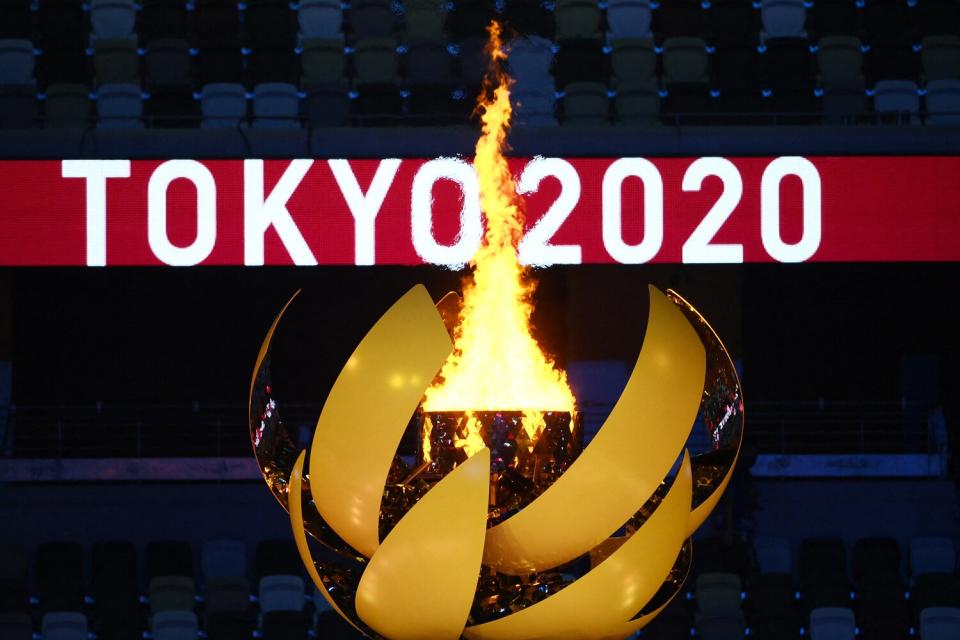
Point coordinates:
[(496, 363)]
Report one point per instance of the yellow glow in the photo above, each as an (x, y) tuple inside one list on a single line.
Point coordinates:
[(496, 363)]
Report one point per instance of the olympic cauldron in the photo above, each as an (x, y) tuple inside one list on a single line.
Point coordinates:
[(527, 537)]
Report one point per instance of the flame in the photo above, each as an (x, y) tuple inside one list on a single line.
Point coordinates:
[(496, 363)]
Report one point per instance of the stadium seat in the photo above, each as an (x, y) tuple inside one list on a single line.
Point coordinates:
[(228, 626), (580, 60), (534, 107), (935, 590), (112, 19), (725, 625), (16, 626), (430, 104), (167, 62), (637, 103), (586, 104), (629, 19), (678, 18), (273, 65), (281, 593), (269, 25), (783, 19), (530, 17), (276, 105), (887, 22), (943, 102), (840, 61), (428, 63), (733, 23), (18, 107), (223, 559), (735, 71), (882, 611), (219, 65), (112, 561), (833, 18), (773, 555), (322, 60), (16, 20), (845, 104), (472, 63), (284, 625), (223, 106), (375, 62), (469, 19), (941, 57), (371, 19), (116, 588), (320, 19), (16, 62), (227, 595), (787, 64), (940, 623), (424, 19), (530, 61), (216, 24), (169, 558), (378, 105), (577, 19), (172, 106), (14, 586), (171, 593), (832, 623), (718, 592), (675, 621), (685, 61), (62, 24), (772, 606), (60, 583), (326, 105), (174, 625), (632, 61), (891, 62), (876, 560), (64, 626), (160, 19), (687, 103), (936, 17), (116, 61)]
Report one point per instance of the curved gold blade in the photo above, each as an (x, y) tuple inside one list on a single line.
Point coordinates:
[(626, 461), (420, 583), (367, 411), (602, 603)]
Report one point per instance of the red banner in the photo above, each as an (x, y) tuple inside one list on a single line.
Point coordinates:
[(414, 211)]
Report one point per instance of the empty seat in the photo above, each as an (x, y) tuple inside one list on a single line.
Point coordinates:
[(533, 17), (887, 22), (629, 19), (788, 64), (376, 105), (174, 625), (935, 590), (217, 24), (940, 623), (167, 62), (375, 62), (67, 106), (112, 18), (14, 564), (472, 63), (285, 625), (832, 623), (281, 593), (326, 105), (897, 101), (320, 19), (845, 104), (783, 19), (687, 103), (372, 19), (833, 18), (773, 555), (62, 23), (116, 61), (16, 626), (228, 626), (876, 560), (840, 61), (218, 65), (64, 626), (633, 60), (224, 558), (718, 592), (16, 20), (580, 60), (941, 57), (428, 63), (172, 106), (530, 61), (534, 107), (943, 102), (273, 65), (68, 65), (586, 104), (276, 105), (735, 69), (323, 60), (469, 19), (171, 593), (637, 103), (882, 611), (223, 105), (424, 19), (772, 606), (934, 17), (60, 584), (932, 555), (733, 23), (891, 62), (16, 62), (679, 18), (577, 19), (169, 558), (269, 25), (685, 61), (162, 19), (721, 625), (227, 595), (430, 104), (113, 561)]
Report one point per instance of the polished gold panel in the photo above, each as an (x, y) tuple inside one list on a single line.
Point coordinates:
[(420, 583), (603, 602), (367, 411), (625, 462)]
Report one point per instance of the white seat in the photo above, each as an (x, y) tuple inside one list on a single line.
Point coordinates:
[(174, 625), (940, 623), (897, 96), (64, 626), (629, 19), (112, 18), (276, 105), (119, 106), (281, 593), (773, 555), (16, 62), (943, 102), (832, 623), (224, 558), (530, 61), (320, 18), (718, 592), (932, 555), (783, 19), (223, 105)]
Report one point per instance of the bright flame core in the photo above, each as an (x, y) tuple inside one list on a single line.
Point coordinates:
[(496, 364)]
